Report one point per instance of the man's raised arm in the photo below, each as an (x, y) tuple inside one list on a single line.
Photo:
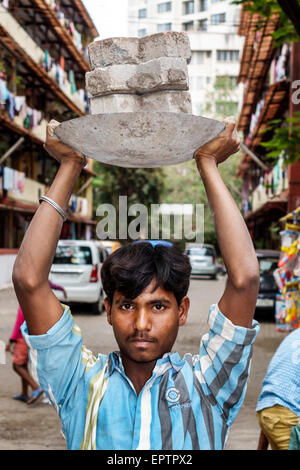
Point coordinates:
[(40, 306), (239, 298)]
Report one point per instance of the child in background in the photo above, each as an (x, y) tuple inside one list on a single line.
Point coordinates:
[(19, 350)]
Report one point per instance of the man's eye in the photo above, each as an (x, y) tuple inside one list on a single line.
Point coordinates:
[(126, 306), (159, 307)]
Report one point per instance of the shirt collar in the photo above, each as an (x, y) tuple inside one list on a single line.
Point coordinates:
[(169, 359)]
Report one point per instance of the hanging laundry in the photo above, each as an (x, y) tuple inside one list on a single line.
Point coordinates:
[(72, 82), (19, 102), (8, 178)]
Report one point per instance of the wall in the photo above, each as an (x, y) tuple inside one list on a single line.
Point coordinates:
[(7, 259)]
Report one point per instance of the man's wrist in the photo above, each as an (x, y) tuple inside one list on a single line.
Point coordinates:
[(73, 163), (205, 162)]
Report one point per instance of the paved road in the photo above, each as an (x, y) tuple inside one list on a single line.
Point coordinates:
[(38, 428)]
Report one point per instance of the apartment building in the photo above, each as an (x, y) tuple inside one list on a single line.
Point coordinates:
[(43, 61), (216, 46)]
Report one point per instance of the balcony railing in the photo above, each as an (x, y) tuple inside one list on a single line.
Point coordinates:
[(36, 54), (269, 188), (26, 190)]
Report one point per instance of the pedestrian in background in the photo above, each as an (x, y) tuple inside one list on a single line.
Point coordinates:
[(19, 350), (278, 407)]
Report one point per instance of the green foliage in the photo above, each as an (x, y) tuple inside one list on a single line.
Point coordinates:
[(266, 8), (140, 185), (285, 139)]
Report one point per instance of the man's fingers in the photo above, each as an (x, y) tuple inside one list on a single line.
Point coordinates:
[(230, 123), (51, 126)]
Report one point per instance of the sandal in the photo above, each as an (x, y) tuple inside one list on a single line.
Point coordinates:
[(35, 395), (20, 397)]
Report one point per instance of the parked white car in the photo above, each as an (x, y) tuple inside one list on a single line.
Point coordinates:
[(203, 259), (76, 267)]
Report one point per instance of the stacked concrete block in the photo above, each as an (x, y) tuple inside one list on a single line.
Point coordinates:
[(147, 74)]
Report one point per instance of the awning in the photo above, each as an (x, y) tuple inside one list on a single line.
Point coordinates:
[(276, 102), (257, 55), (276, 203)]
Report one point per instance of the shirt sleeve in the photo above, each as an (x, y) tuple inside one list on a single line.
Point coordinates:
[(16, 332), (59, 362), (224, 362)]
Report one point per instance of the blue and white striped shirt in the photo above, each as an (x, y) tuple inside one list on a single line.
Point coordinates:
[(188, 403)]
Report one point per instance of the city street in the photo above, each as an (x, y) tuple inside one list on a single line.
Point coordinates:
[(38, 428)]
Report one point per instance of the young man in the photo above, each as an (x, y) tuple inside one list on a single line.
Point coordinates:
[(143, 397)]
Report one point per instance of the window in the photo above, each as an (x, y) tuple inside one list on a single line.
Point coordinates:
[(203, 5), (202, 25), (164, 27), (200, 56), (226, 108), (201, 251), (142, 32), (142, 13), (188, 7), (267, 265), (228, 56), (218, 18), (200, 82), (225, 82), (188, 26), (164, 7), (72, 254)]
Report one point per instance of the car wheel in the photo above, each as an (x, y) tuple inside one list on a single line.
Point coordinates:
[(214, 277), (98, 307)]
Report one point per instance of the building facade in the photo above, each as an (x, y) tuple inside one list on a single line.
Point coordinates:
[(268, 72), (216, 46), (43, 61)]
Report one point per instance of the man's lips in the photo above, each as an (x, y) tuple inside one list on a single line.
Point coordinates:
[(142, 340)]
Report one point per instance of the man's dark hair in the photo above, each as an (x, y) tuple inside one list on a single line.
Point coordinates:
[(130, 269)]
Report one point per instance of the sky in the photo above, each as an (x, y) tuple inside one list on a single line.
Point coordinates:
[(109, 16)]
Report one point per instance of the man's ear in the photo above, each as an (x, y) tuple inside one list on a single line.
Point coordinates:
[(107, 306), (183, 310)]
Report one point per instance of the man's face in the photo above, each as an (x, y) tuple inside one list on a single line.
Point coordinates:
[(146, 327)]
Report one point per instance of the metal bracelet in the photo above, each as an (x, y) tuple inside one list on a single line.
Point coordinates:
[(55, 205)]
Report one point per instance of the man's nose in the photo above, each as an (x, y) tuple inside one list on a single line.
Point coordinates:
[(142, 319)]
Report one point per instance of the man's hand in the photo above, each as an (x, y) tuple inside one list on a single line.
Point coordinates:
[(219, 149), (10, 347), (60, 151)]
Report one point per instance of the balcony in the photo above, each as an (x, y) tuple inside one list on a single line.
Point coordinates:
[(15, 37), (29, 191), (277, 183), (59, 25)]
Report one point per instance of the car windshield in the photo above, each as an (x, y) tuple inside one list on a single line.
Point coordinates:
[(200, 251), (70, 254), (267, 265)]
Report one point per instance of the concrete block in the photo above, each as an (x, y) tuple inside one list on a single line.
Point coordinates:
[(113, 51), (165, 73), (162, 101)]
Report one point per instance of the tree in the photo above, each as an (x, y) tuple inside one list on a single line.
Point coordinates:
[(140, 185)]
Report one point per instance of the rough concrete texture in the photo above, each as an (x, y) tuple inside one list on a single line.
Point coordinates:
[(165, 73), (164, 101), (134, 50), (139, 140)]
